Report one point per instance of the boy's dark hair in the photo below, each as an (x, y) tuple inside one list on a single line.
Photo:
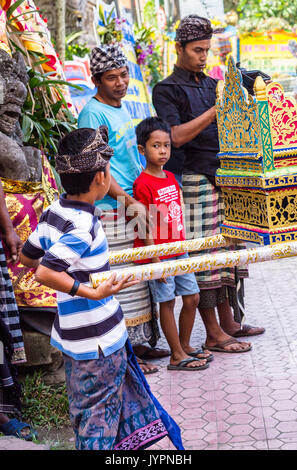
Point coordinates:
[(149, 125), (77, 183), (72, 144)]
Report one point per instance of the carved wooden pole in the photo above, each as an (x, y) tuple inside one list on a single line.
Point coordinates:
[(61, 33)]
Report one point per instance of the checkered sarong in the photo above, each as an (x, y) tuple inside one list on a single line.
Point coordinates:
[(204, 214), (9, 310)]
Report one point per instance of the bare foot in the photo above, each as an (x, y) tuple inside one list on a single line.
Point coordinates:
[(203, 353), (146, 367)]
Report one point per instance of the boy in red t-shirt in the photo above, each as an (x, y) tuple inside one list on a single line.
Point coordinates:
[(158, 190)]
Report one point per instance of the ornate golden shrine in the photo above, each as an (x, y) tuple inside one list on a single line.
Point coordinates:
[(258, 160)]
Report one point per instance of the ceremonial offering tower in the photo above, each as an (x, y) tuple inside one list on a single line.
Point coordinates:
[(258, 160)]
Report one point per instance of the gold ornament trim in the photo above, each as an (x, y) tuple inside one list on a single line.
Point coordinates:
[(200, 263), (237, 115), (165, 249)]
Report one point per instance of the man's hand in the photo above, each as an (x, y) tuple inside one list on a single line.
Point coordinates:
[(136, 209), (112, 287), (14, 245)]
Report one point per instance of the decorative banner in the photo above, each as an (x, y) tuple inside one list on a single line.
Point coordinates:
[(78, 72), (171, 57), (134, 254), (206, 8), (137, 100), (228, 259), (3, 37), (268, 52)]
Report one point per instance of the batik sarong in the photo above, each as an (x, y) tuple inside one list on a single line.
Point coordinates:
[(25, 203), (111, 405), (204, 214), (139, 310), (11, 343)]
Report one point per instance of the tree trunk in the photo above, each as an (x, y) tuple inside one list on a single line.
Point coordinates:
[(60, 31)]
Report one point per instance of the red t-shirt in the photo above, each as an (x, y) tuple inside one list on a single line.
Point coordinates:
[(162, 197)]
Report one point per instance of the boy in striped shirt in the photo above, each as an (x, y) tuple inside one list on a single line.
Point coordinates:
[(102, 375)]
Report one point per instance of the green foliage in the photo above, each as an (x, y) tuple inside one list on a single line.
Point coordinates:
[(253, 12), (75, 49), (150, 14), (111, 31), (44, 405), (148, 54), (43, 122), (45, 114)]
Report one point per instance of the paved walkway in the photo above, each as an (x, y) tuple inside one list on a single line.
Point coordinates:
[(242, 401), (247, 400)]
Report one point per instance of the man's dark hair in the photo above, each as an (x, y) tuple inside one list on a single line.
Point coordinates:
[(149, 125), (72, 144), (98, 76)]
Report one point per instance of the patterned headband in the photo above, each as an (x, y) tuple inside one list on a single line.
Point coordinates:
[(195, 28), (95, 155), (106, 58)]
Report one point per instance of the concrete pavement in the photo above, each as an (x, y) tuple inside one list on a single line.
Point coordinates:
[(248, 400), (242, 401)]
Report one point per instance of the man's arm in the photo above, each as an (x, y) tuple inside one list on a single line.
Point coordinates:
[(29, 262), (167, 107), (116, 192), (12, 240), (184, 133), (134, 207)]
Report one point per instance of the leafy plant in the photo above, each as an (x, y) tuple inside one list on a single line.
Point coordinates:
[(148, 54), (112, 29), (44, 121), (44, 405), (45, 115), (254, 12), (76, 49)]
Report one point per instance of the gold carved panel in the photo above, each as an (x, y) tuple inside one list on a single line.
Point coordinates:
[(237, 115), (265, 210)]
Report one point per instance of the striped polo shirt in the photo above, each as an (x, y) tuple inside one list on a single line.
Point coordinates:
[(70, 238)]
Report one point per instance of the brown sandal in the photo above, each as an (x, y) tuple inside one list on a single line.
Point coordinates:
[(245, 331), (220, 347)]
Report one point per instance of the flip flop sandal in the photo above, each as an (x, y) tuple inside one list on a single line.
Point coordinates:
[(155, 353), (219, 347), (145, 363), (182, 365), (244, 331), (14, 428), (201, 351)]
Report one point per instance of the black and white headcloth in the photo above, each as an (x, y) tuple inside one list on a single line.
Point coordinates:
[(195, 28), (107, 57)]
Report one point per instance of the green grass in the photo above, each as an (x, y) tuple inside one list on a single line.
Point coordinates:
[(44, 405)]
